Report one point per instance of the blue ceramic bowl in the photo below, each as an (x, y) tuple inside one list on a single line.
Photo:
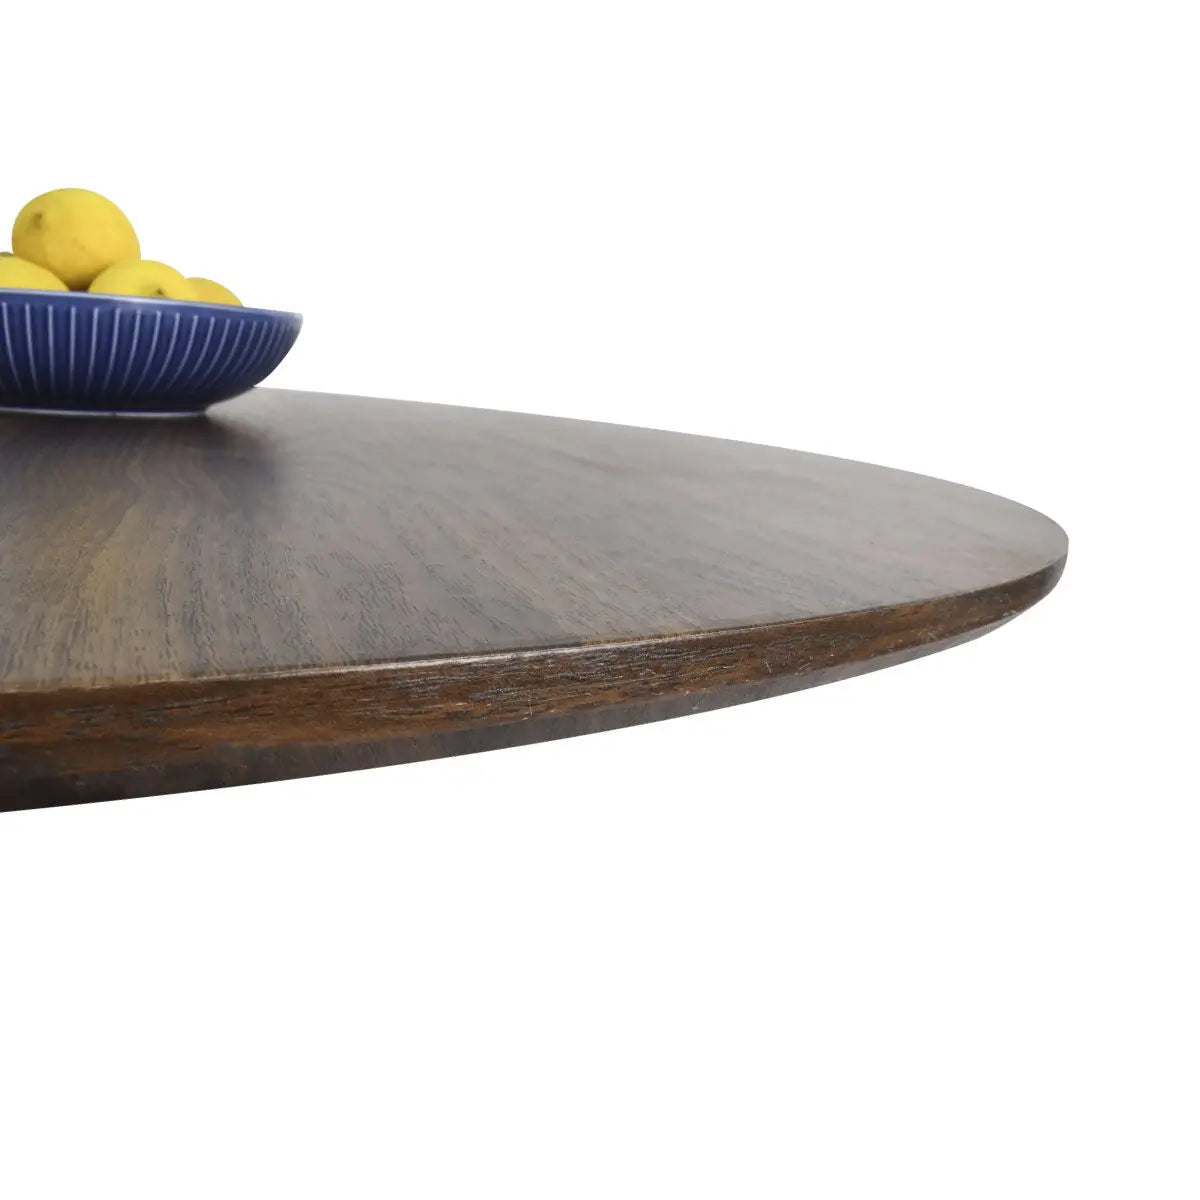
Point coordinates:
[(74, 352)]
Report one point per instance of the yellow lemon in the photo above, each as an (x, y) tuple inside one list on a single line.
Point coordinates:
[(74, 233), (17, 273), (143, 277), (212, 293)]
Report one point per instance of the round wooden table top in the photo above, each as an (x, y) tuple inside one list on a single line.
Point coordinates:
[(303, 583)]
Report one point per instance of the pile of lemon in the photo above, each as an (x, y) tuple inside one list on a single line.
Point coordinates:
[(75, 240)]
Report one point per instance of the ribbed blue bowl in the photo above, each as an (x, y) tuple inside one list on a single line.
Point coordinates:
[(74, 352)]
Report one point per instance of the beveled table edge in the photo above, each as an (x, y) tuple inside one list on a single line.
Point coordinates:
[(133, 739)]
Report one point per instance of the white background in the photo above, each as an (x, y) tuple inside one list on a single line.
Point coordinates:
[(929, 933)]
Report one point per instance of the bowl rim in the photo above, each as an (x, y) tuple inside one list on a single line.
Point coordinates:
[(86, 298)]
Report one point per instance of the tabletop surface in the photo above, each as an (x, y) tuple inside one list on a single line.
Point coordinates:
[(293, 538)]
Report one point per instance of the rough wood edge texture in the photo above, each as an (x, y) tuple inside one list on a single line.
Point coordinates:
[(107, 743)]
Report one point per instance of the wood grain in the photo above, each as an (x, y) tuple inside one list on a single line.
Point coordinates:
[(304, 583)]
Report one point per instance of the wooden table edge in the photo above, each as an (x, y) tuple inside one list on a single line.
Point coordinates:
[(82, 744)]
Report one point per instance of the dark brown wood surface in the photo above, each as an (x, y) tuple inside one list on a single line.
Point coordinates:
[(304, 583)]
